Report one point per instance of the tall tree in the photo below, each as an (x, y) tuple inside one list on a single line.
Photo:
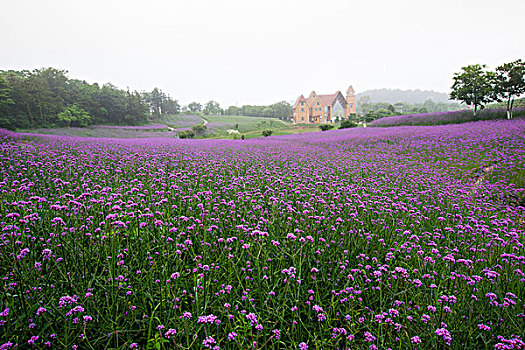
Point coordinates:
[(195, 107), (473, 86), (170, 106), (509, 83), (212, 107), (155, 98), (5, 94)]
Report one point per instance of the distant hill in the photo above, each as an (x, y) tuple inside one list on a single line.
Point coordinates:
[(406, 96)]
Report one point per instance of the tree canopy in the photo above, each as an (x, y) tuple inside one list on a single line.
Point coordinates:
[(281, 110), (476, 86), (509, 83), (473, 86), (47, 97)]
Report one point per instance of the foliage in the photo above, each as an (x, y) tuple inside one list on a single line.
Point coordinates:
[(5, 103), (267, 133), (37, 98), (281, 110), (199, 129), (195, 107), (509, 83), (160, 103), (73, 116), (518, 103), (186, 134), (347, 123), (212, 108), (362, 239), (325, 127), (472, 86)]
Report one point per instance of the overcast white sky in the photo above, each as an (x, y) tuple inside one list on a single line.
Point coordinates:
[(260, 52)]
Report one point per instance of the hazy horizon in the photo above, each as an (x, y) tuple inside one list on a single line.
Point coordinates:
[(247, 52)]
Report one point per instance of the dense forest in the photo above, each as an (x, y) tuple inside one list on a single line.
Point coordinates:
[(47, 97)]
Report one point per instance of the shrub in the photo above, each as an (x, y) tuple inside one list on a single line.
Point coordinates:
[(187, 134), (345, 124), (267, 133), (325, 127), (199, 129)]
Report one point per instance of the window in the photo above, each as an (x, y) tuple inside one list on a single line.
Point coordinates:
[(302, 103), (302, 119), (302, 109), (351, 105), (318, 103)]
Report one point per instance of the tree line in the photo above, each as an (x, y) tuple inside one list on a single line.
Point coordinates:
[(477, 86), (47, 97), (370, 111), (281, 110)]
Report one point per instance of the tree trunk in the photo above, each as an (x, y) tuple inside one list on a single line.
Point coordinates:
[(509, 113), (511, 105), (475, 109)]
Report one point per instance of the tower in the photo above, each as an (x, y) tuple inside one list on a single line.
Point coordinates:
[(350, 99)]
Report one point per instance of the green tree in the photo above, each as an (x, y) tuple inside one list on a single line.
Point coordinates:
[(212, 108), (5, 95), (509, 83), (6, 118), (170, 106), (195, 107), (154, 99), (473, 86), (74, 116)]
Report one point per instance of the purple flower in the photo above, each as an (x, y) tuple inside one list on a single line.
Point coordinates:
[(415, 340), (170, 333)]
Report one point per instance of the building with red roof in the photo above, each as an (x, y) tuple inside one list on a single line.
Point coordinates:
[(318, 109)]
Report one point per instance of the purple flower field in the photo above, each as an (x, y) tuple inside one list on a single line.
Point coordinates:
[(443, 118), (365, 238)]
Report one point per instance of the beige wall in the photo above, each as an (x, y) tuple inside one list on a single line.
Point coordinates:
[(316, 108), (301, 113)]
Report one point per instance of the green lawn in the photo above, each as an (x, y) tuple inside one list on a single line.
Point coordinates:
[(218, 125)]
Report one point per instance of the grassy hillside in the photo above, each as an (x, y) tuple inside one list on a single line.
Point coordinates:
[(219, 125)]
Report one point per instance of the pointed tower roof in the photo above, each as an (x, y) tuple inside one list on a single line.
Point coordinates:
[(350, 90), (299, 99)]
